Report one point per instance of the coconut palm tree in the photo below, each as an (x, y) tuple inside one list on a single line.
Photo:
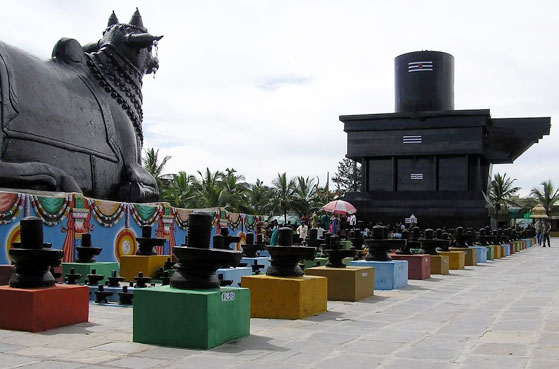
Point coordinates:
[(305, 195), (547, 196), (282, 199), (235, 191), (259, 197), (209, 191), (501, 190), (153, 165), (182, 190)]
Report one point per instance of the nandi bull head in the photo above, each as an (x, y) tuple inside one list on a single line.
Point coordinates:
[(132, 40)]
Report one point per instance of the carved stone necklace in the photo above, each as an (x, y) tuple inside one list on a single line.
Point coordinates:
[(121, 80)]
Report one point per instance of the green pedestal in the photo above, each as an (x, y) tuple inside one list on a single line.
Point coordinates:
[(103, 267), (203, 319), (490, 252)]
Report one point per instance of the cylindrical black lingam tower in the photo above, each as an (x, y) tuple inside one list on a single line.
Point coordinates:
[(459, 238), (405, 248), (250, 248), (424, 81), (86, 252), (285, 257), (146, 243), (32, 257), (378, 246), (428, 243), (197, 263), (336, 253)]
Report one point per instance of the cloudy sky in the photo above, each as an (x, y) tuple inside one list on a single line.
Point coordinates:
[(258, 85)]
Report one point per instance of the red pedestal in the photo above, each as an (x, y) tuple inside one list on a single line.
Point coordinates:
[(6, 271), (511, 247), (39, 309), (419, 265)]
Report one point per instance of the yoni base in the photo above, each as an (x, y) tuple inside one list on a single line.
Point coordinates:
[(286, 298), (201, 319), (440, 264), (470, 257), (130, 265), (419, 265), (456, 259), (259, 260), (481, 254), (6, 271), (234, 274), (39, 309), (101, 268), (388, 274), (346, 284), (112, 298)]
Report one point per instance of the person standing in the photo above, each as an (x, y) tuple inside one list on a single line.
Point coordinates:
[(314, 220), (352, 221), (302, 231), (539, 227), (274, 236), (545, 233)]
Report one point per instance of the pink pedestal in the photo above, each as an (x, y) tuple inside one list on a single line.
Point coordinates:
[(6, 271), (419, 265)]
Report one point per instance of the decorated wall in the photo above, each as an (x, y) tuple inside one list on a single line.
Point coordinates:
[(113, 226)]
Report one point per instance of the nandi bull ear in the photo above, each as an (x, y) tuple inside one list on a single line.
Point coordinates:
[(112, 19), (142, 40)]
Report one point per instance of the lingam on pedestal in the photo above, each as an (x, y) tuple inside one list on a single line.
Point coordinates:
[(379, 245), (125, 297), (93, 278), (101, 295), (197, 263), (336, 253), (33, 257), (405, 248), (285, 257), (429, 243), (86, 252), (141, 281), (72, 277), (146, 243), (357, 239), (250, 248), (114, 280)]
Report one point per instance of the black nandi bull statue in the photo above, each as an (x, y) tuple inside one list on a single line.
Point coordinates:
[(74, 123)]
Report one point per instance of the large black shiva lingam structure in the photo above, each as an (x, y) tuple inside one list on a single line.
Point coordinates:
[(197, 263), (32, 257), (336, 253), (427, 158), (378, 246), (285, 257)]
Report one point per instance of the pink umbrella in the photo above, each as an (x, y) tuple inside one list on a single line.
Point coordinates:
[(339, 207)]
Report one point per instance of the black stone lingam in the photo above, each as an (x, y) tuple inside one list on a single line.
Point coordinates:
[(256, 267), (336, 253), (141, 281), (169, 264), (413, 241), (470, 237), (86, 252), (101, 295), (224, 282), (379, 245), (483, 237), (227, 239), (428, 242), (114, 280), (146, 243), (72, 277), (445, 241), (459, 238), (324, 245), (356, 238), (405, 248), (285, 257), (165, 279), (197, 263), (33, 257), (93, 278), (250, 248), (313, 239), (125, 297)]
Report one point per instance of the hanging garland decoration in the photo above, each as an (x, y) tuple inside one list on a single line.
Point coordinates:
[(145, 214), (250, 222), (234, 220), (10, 206), (51, 209), (181, 217), (107, 213)]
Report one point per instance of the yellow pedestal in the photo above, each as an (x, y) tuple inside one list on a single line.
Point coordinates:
[(347, 284), (440, 264), (456, 259), (471, 255), (286, 298), (130, 265)]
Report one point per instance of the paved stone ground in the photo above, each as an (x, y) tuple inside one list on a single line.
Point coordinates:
[(502, 314)]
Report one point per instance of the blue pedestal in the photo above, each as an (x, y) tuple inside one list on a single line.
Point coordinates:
[(234, 274), (388, 274), (264, 253), (507, 249), (261, 260), (114, 290), (481, 254), (528, 242)]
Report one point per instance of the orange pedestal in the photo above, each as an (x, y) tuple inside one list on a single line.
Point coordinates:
[(39, 309)]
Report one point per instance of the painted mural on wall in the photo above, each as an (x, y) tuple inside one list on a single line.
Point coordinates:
[(113, 226)]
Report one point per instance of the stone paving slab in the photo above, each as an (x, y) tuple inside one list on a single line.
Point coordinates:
[(499, 314)]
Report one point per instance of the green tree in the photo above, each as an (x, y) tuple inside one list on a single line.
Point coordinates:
[(209, 192), (547, 196), (282, 199), (182, 190), (235, 191), (348, 176), (305, 198), (501, 190), (259, 197), (155, 166)]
